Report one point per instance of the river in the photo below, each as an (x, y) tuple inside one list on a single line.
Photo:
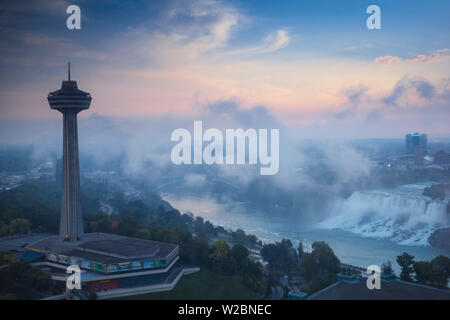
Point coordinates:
[(352, 247)]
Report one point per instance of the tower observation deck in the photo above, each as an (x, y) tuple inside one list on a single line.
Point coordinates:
[(69, 100)]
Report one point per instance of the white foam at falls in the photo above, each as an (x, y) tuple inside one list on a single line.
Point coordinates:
[(401, 214)]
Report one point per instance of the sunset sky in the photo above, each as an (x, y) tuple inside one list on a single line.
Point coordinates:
[(311, 64)]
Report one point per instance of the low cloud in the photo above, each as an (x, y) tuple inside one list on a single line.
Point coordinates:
[(422, 86), (387, 60), (438, 55), (231, 114), (354, 96), (417, 100)]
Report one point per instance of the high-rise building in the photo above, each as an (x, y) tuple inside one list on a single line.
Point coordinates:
[(418, 155), (414, 140), (69, 100)]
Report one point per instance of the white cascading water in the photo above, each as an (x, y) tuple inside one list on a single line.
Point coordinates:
[(401, 214)]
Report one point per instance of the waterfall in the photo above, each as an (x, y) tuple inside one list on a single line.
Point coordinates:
[(401, 214)]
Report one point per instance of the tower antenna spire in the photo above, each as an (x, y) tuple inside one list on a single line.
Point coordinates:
[(68, 69)]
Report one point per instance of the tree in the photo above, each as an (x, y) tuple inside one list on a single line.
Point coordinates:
[(239, 236), (434, 273), (219, 254), (23, 274), (4, 230), (281, 256), (321, 263), (270, 255), (325, 257), (386, 268), (440, 271), (443, 262), (406, 261), (19, 225), (127, 226), (239, 255), (423, 271), (300, 250)]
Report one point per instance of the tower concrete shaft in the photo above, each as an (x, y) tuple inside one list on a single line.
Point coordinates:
[(69, 100), (71, 223)]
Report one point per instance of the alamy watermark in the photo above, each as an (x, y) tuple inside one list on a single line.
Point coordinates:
[(241, 147), (373, 22), (74, 280), (374, 279), (74, 20)]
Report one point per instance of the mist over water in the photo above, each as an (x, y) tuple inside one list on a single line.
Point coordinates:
[(400, 214), (350, 246)]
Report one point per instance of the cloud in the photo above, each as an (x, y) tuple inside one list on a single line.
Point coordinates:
[(387, 60), (193, 33), (47, 50), (230, 113), (348, 164), (42, 7), (207, 24), (422, 86), (411, 99), (175, 53), (274, 41), (197, 25), (194, 180), (439, 55), (354, 97)]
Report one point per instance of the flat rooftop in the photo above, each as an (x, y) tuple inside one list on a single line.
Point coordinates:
[(19, 243), (125, 248), (394, 290), (105, 248)]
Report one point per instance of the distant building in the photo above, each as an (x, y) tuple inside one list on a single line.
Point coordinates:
[(442, 157), (418, 155), (415, 140)]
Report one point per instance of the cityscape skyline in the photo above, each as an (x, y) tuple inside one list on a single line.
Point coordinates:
[(224, 150)]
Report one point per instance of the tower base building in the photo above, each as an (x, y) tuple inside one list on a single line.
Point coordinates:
[(113, 265)]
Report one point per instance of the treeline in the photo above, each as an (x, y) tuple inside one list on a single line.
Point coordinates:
[(432, 273), (148, 215), (437, 191), (37, 203), (15, 226), (19, 280), (319, 267)]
